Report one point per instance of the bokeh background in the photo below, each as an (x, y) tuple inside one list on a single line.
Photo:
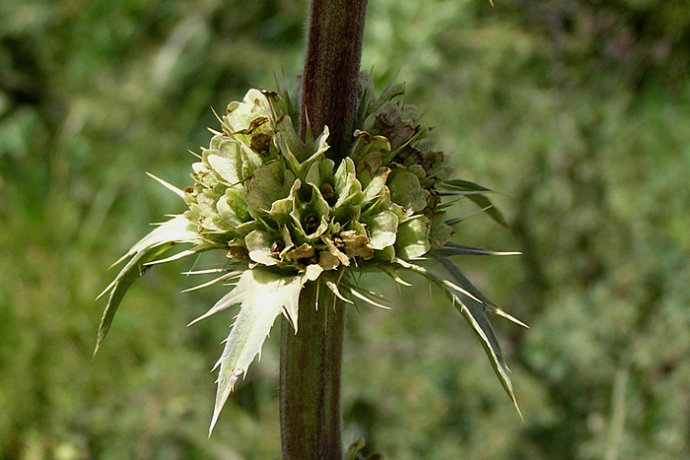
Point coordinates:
[(577, 111)]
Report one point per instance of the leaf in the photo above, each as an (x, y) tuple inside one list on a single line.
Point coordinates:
[(493, 212), (466, 284), (149, 248), (454, 249), (135, 268), (473, 312), (263, 297), (477, 197), (390, 271), (457, 220), (472, 309), (167, 185), (460, 279), (176, 230), (429, 275), (460, 184), (362, 294), (223, 277)]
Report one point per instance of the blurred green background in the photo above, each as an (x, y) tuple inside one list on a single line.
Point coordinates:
[(579, 111)]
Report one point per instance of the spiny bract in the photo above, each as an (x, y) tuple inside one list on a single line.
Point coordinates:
[(287, 214)]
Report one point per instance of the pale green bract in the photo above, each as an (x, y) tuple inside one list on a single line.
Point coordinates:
[(286, 215)]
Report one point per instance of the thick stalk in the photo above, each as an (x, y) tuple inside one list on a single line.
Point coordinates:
[(310, 361), (310, 378), (331, 70)]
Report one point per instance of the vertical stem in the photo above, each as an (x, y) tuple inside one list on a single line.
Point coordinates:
[(310, 379), (331, 70), (310, 361)]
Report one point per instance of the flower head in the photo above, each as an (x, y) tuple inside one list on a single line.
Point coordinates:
[(286, 214)]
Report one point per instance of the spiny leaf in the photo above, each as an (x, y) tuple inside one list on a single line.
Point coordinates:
[(461, 280), (493, 212), (473, 312), (503, 314), (263, 296), (334, 288)]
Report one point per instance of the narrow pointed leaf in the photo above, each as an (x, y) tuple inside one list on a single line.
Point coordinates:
[(334, 288), (483, 202), (437, 279), (466, 284), (167, 185), (181, 255), (460, 184), (135, 268), (362, 295), (475, 192), (454, 249), (149, 248), (392, 273), (457, 220), (176, 230), (503, 314), (225, 276), (473, 312)]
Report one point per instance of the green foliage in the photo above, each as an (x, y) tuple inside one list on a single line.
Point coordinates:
[(591, 151)]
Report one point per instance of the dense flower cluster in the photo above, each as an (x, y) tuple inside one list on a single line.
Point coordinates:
[(287, 214), (276, 201)]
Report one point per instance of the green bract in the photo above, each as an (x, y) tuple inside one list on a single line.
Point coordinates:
[(286, 214)]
